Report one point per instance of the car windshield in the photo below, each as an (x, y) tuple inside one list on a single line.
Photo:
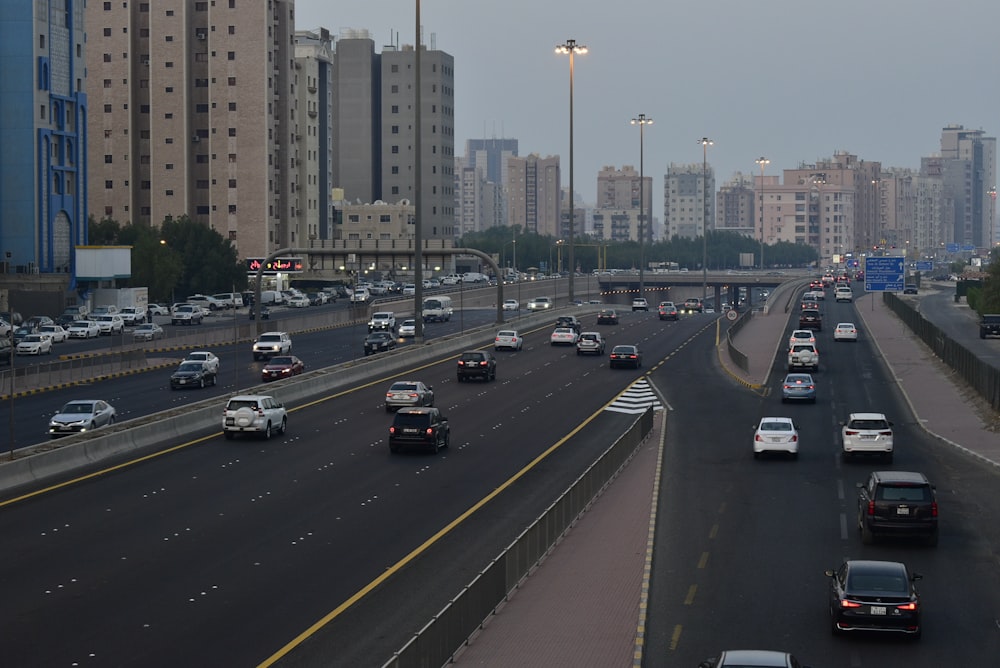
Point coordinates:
[(775, 426), (412, 420), (189, 367), (403, 387), (588, 337), (268, 338), (78, 408), (507, 333), (198, 356), (81, 323), (624, 350), (471, 357), (904, 493), (869, 424), (280, 361), (877, 582), (563, 330)]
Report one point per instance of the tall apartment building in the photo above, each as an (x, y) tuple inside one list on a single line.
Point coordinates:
[(314, 137), (688, 200), (968, 179), (356, 124), (534, 194), (481, 184), (43, 135), (736, 204), (812, 207), (621, 189), (194, 113)]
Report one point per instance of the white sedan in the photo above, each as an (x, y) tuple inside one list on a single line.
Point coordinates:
[(511, 305), (407, 330), (35, 344), (84, 329), (211, 360), (776, 434), (298, 301), (54, 332), (564, 336), (845, 331)]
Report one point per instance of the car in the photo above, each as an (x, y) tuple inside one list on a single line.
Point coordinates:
[(206, 302), (845, 331), (282, 366), (843, 293), (84, 329), (187, 314), (809, 301), (81, 415), (866, 433), (815, 295), (897, 503), (477, 364), (265, 313), (877, 596), (423, 427), (254, 413), (563, 336), (297, 301), (21, 333), (752, 658), (590, 343), (270, 344), (192, 374), (776, 434), (382, 321), (316, 298), (5, 328), (209, 358), (693, 305), (607, 316), (989, 325), (110, 324), (13, 318), (54, 332), (229, 300), (803, 356), (811, 318), (133, 315), (405, 393), (77, 311), (667, 311), (798, 387), (34, 344), (408, 329), (6, 346), (910, 289), (378, 342), (157, 309), (640, 304), (540, 304), (511, 305), (570, 321), (409, 289), (508, 339), (625, 356), (801, 336), (36, 321), (149, 331)]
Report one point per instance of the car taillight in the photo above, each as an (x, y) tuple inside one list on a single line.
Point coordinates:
[(392, 430), (911, 606), (885, 433), (871, 508), (934, 510), (429, 431), (795, 438), (844, 603), (758, 437), (850, 432)]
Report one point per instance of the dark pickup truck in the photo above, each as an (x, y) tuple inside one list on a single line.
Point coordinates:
[(989, 325), (811, 319)]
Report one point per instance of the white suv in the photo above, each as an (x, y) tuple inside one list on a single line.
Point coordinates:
[(270, 344), (383, 321), (256, 413), (867, 433)]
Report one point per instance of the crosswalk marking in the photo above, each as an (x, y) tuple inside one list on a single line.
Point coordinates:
[(636, 399)]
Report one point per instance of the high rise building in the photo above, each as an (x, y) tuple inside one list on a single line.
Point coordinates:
[(43, 135), (534, 194), (314, 137), (689, 200), (194, 113), (621, 189), (969, 171), (482, 184), (737, 202), (356, 123)]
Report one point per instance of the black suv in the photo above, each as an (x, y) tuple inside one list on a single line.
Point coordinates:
[(989, 325), (901, 503), (570, 321), (477, 364), (422, 427), (811, 319), (380, 341)]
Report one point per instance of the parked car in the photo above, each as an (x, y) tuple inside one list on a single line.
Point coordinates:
[(34, 344), (378, 342), (13, 318), (477, 364), (192, 374), (254, 413), (408, 329), (590, 343), (270, 344), (423, 427), (667, 311), (874, 596), (81, 415), (282, 366), (508, 339), (133, 315), (607, 316), (229, 299), (84, 329), (897, 503), (265, 312), (625, 356), (36, 321), (21, 333), (297, 301), (54, 332), (776, 434), (209, 358), (405, 393), (149, 331), (867, 433), (157, 309), (910, 289)]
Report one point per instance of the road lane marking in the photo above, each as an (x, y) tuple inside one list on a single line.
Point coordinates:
[(703, 561), (689, 599), (714, 531), (675, 637)]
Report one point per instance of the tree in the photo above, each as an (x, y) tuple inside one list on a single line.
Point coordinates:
[(988, 299)]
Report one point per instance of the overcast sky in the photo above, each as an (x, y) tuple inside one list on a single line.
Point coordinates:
[(792, 80)]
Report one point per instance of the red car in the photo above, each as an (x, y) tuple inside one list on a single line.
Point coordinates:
[(283, 366)]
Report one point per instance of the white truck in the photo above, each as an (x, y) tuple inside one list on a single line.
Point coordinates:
[(437, 309), (802, 356)]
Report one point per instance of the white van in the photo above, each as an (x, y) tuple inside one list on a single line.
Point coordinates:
[(271, 297), (437, 309), (474, 277)]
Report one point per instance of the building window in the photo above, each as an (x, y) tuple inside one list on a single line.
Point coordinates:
[(232, 132), (107, 109), (202, 184), (232, 106), (169, 38), (145, 185), (231, 81), (201, 108), (201, 6), (169, 193), (203, 210), (107, 6), (169, 140), (108, 185), (395, 108), (394, 68), (395, 190), (395, 149), (107, 57), (394, 88), (232, 30), (395, 169), (107, 83), (232, 183), (201, 159), (395, 129), (231, 55), (168, 115), (232, 209), (143, 108), (107, 32), (144, 33), (169, 165), (169, 63), (107, 159), (168, 89)]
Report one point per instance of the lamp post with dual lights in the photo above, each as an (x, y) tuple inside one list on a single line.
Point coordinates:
[(705, 143), (762, 162), (992, 192), (571, 48), (642, 122)]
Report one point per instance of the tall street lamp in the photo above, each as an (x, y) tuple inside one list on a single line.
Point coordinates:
[(705, 143), (993, 204), (642, 122), (571, 48), (763, 162), (418, 218)]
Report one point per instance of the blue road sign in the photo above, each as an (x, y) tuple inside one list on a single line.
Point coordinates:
[(925, 265), (884, 274), (951, 248), (968, 247)]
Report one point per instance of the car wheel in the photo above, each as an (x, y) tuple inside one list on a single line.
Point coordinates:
[(215, 379), (201, 383), (267, 431), (229, 435), (284, 425)]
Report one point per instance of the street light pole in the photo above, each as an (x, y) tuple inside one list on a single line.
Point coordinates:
[(642, 122), (418, 222), (993, 204), (763, 162), (705, 143), (571, 48)]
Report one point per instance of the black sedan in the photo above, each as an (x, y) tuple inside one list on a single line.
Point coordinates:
[(192, 374), (874, 596), (377, 342), (283, 366), (625, 356)]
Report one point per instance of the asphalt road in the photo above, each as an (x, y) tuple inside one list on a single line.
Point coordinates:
[(741, 544), (223, 552)]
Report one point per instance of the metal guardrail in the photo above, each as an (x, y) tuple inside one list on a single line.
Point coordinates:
[(448, 631), (57, 372)]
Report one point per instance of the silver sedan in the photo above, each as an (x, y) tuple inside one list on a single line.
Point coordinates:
[(406, 393)]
